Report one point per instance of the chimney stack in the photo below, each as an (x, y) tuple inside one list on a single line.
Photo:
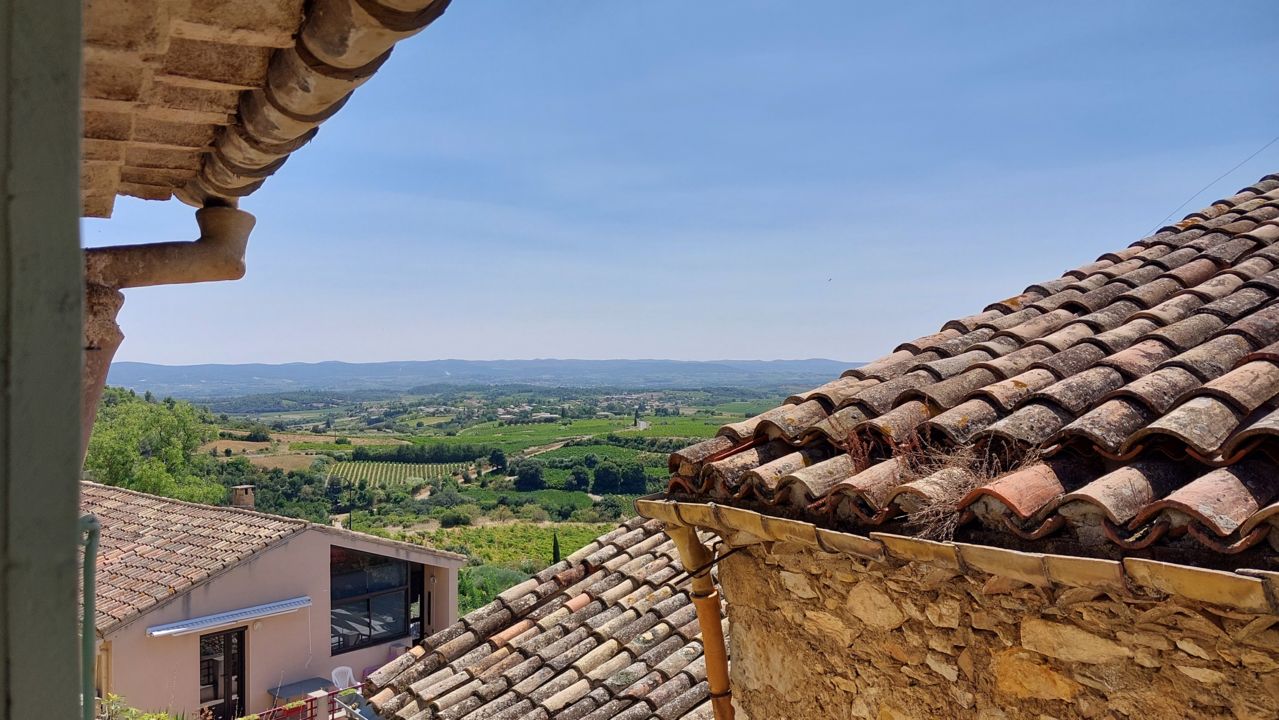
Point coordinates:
[(242, 497)]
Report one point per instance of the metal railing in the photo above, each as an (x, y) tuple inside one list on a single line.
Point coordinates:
[(316, 706)]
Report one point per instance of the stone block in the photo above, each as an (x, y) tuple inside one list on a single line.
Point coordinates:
[(173, 134), (121, 81), (266, 23), (1018, 674), (160, 157), (215, 65), (873, 607), (99, 125), (146, 192), (138, 26), (1069, 643)]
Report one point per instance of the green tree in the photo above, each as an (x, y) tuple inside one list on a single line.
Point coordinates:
[(608, 478), (497, 459), (529, 476), (151, 447), (579, 478), (633, 480), (611, 507), (555, 548)]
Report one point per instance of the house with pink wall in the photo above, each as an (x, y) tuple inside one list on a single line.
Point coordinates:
[(235, 611)]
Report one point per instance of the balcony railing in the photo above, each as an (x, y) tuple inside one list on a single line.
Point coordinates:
[(319, 705)]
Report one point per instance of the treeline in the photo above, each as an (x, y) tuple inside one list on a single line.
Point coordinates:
[(291, 401), (433, 453), (649, 444), (590, 474), (152, 446)]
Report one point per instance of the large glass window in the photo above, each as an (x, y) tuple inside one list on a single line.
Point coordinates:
[(370, 599)]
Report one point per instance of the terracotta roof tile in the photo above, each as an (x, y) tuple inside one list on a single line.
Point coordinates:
[(1146, 365), (626, 646), (153, 548)]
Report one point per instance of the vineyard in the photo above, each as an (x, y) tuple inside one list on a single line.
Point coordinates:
[(391, 473)]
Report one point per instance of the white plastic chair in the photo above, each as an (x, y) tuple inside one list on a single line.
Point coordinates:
[(343, 677)]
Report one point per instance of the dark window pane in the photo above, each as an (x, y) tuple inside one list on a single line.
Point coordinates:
[(387, 616), (349, 625), (386, 576), (353, 573)]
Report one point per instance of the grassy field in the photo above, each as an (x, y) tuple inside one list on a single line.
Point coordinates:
[(329, 438), (236, 446), (518, 437), (687, 426), (747, 408), (428, 420), (549, 496), (604, 452), (515, 545), (322, 447), (389, 473), (284, 462)]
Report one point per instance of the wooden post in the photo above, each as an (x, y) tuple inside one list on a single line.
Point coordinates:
[(40, 348)]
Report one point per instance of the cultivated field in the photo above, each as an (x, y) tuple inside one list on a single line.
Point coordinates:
[(686, 426), (391, 473), (284, 462), (330, 437), (519, 436), (236, 446)]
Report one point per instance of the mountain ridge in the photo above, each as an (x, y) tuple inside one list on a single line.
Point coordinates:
[(230, 379)]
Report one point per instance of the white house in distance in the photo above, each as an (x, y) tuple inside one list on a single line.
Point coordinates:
[(237, 611)]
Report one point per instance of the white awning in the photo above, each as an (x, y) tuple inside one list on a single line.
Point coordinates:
[(233, 617)]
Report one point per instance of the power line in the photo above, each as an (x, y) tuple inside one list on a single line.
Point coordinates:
[(1218, 179)]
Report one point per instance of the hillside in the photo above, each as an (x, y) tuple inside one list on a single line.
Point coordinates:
[(214, 381)]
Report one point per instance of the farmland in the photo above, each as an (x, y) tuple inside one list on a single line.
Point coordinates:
[(515, 545), (380, 474), (520, 436), (688, 426), (495, 472), (603, 452)]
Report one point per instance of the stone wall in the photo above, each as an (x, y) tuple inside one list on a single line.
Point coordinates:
[(824, 635)]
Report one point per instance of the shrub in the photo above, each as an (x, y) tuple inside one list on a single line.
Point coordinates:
[(454, 518)]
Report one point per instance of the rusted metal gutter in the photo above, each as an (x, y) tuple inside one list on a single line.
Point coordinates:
[(218, 254), (697, 560)]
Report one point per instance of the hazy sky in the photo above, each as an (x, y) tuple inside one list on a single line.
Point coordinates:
[(701, 180)]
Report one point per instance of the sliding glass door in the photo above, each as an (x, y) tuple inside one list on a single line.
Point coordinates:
[(222, 688)]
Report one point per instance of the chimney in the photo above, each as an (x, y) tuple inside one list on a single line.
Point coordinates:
[(242, 497)]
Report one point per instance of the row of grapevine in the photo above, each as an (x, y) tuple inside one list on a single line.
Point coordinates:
[(390, 473)]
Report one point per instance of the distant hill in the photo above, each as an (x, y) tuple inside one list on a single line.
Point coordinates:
[(215, 381)]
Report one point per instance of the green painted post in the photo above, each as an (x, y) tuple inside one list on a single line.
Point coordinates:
[(41, 295)]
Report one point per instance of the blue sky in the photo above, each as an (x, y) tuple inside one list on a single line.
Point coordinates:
[(702, 180)]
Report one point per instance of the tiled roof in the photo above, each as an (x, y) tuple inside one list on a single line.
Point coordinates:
[(205, 100), (154, 548), (1129, 405), (610, 632)]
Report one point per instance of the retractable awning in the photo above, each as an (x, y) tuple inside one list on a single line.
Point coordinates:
[(232, 617)]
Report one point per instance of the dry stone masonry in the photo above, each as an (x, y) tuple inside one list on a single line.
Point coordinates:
[(817, 634)]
